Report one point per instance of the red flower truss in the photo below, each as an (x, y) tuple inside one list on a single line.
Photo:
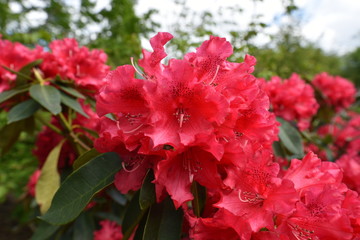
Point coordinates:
[(188, 113)]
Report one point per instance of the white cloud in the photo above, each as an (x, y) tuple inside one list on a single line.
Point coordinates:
[(330, 23)]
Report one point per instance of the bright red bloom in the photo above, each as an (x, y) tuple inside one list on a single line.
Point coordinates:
[(14, 56), (222, 226), (312, 172), (258, 194), (32, 182), (350, 164), (191, 113), (109, 231), (318, 215), (188, 164), (71, 62), (292, 99), (338, 92), (183, 107)]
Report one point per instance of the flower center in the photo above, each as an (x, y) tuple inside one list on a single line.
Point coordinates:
[(191, 166), (301, 233), (133, 163), (181, 115), (250, 197)]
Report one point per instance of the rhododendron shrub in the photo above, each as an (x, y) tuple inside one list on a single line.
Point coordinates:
[(191, 148)]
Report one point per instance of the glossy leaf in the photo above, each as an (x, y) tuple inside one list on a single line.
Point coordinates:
[(164, 222), (84, 158), (72, 92), (291, 138), (79, 187), (73, 104), (11, 93), (47, 96), (147, 191), (49, 180), (44, 231), (9, 135), (84, 227), (133, 216), (199, 193), (23, 110)]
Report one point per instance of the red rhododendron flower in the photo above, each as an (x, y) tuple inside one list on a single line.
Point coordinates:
[(223, 225), (312, 172), (109, 231), (350, 164), (338, 92), (71, 62), (258, 194), (190, 113), (292, 99), (14, 56), (318, 215)]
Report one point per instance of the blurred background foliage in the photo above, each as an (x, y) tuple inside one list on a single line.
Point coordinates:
[(118, 31)]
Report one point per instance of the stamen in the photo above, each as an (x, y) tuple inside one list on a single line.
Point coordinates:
[(256, 198), (137, 70), (129, 170), (70, 53), (78, 69), (135, 129), (181, 116), (216, 73)]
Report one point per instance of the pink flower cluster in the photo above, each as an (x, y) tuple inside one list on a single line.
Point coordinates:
[(14, 56), (308, 202), (338, 92), (345, 146), (203, 119), (186, 120), (292, 99), (78, 65), (109, 231)]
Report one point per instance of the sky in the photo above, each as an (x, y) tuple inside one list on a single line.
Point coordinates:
[(333, 24)]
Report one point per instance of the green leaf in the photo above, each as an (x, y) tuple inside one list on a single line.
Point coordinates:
[(11, 93), (9, 135), (72, 92), (73, 104), (290, 138), (80, 186), (147, 191), (132, 217), (164, 222), (278, 149), (44, 231), (47, 96), (23, 110), (199, 193), (84, 158), (84, 227), (49, 180)]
